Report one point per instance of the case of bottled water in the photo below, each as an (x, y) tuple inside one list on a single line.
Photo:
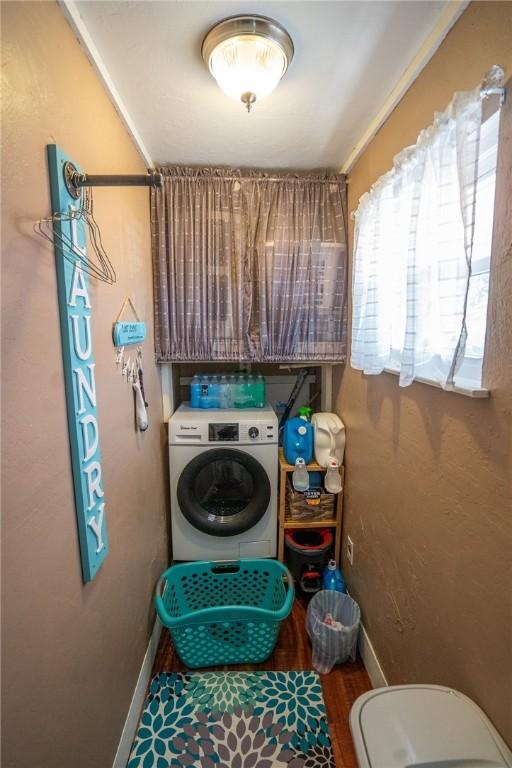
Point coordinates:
[(227, 391)]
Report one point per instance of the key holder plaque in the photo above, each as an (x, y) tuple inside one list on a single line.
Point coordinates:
[(126, 333)]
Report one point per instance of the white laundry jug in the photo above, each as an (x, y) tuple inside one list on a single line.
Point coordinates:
[(329, 437)]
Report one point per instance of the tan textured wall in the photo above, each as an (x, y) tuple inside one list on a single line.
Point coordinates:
[(429, 473), (71, 653)]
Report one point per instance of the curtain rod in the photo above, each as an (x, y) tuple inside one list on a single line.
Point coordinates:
[(336, 180), (151, 179), (493, 83), (74, 180), (493, 90)]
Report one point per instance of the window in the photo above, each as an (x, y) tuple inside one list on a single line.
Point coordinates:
[(422, 254)]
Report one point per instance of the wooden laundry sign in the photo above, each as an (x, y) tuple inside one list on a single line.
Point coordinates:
[(79, 366)]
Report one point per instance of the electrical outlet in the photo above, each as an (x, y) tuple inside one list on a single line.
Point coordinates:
[(350, 550)]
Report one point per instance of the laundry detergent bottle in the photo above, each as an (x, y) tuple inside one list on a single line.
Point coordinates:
[(298, 440), (332, 578)]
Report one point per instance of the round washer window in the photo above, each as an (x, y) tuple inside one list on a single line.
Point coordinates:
[(223, 492)]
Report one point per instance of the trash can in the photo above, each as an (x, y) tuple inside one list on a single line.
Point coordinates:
[(336, 643)]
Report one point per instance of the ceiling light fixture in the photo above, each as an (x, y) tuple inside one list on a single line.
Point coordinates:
[(247, 55)]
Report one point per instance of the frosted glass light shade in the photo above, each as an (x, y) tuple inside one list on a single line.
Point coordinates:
[(247, 55), (248, 64)]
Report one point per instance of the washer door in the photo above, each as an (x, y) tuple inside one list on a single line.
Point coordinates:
[(223, 492)]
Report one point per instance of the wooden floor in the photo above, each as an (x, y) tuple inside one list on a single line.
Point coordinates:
[(293, 651)]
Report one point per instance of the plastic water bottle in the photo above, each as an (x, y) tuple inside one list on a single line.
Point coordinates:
[(224, 392), (250, 389), (235, 386), (260, 396), (195, 392), (215, 392), (206, 397), (247, 390), (240, 394), (332, 578), (231, 391)]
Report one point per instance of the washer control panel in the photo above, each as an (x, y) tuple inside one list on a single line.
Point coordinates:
[(261, 433), (222, 433), (223, 426)]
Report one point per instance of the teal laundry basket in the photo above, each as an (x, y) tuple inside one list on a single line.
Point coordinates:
[(224, 612)]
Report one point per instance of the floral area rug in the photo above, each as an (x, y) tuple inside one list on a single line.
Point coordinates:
[(233, 720)]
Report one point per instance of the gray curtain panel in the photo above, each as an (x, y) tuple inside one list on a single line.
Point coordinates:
[(249, 266)]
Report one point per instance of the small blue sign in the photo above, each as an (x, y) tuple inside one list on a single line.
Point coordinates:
[(79, 371), (125, 334)]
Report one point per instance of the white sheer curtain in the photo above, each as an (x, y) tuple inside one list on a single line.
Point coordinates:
[(413, 252)]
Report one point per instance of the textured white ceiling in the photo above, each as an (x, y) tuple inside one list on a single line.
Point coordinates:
[(348, 57)]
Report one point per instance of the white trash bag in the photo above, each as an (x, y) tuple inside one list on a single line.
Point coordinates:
[(332, 643)]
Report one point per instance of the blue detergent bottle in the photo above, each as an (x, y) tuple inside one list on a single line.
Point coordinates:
[(298, 440), (332, 578)]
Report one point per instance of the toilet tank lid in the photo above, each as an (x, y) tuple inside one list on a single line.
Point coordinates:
[(409, 726)]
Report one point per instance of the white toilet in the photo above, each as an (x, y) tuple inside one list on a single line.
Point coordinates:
[(427, 726)]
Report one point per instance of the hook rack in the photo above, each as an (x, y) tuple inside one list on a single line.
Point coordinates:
[(75, 181)]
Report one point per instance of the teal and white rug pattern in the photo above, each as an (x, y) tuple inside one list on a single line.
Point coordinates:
[(233, 720)]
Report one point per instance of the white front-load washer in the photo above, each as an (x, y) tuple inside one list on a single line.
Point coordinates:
[(223, 471)]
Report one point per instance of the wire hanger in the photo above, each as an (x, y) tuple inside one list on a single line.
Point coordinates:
[(79, 186), (51, 229)]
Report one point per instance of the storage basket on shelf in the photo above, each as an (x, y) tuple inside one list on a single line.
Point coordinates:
[(298, 508), (224, 612)]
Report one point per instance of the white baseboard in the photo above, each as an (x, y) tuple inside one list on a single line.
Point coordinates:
[(370, 660), (132, 718)]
